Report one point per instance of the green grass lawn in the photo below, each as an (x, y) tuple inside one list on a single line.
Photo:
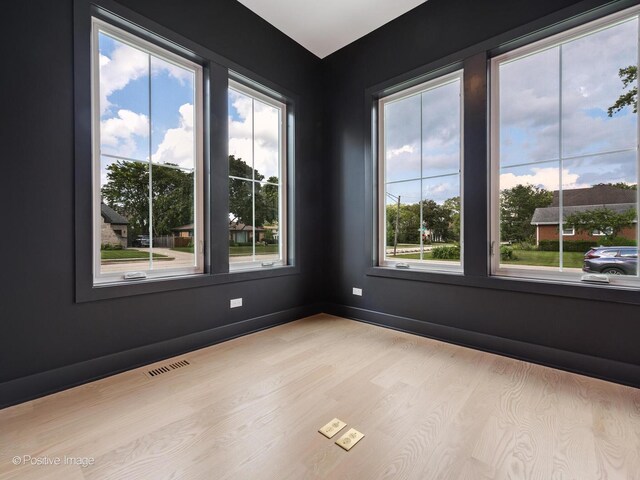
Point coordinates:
[(546, 259), (416, 256), (524, 257), (127, 254), (248, 250), (417, 245)]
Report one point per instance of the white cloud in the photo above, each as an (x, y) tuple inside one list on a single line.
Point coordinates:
[(125, 65), (117, 133), (177, 145), (265, 126), (547, 178), (394, 152)]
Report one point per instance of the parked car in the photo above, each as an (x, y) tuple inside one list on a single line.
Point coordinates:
[(141, 241), (611, 260)]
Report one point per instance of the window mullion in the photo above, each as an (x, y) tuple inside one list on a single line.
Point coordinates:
[(150, 145)]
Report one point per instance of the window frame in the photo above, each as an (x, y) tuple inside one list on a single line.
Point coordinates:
[(281, 106), (505, 271), (99, 279), (424, 86)]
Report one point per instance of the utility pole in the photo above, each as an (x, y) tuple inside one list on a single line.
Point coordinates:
[(395, 241)]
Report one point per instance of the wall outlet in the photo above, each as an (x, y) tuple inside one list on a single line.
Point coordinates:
[(235, 302), (357, 291)]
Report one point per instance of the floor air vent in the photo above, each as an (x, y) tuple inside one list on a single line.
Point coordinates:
[(167, 368)]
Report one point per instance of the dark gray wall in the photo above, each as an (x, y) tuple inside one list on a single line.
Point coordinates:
[(495, 319), (42, 328)]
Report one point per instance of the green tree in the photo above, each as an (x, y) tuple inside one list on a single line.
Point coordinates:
[(127, 192), (517, 206), (629, 77), (453, 205), (602, 219), (621, 185), (408, 223), (438, 219)]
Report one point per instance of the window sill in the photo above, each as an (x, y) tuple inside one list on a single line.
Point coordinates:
[(141, 287), (604, 293)]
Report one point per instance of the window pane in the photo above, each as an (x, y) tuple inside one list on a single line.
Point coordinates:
[(529, 106), (441, 218), (172, 114), (241, 127), (267, 222), (529, 216), (590, 88), (599, 196), (124, 222), (124, 99), (403, 214), (241, 220), (173, 244), (441, 130), (402, 139), (266, 142)]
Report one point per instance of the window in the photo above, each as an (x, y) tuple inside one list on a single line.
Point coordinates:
[(257, 179), (420, 132), (147, 159), (608, 231), (564, 150)]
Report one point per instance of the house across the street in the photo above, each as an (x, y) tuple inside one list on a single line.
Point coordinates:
[(114, 227), (547, 220), (241, 233)]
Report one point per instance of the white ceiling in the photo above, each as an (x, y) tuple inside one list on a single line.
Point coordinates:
[(324, 26)]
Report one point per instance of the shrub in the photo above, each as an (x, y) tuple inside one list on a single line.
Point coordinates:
[(111, 246), (525, 246), (506, 253), (446, 253), (567, 245), (618, 242)]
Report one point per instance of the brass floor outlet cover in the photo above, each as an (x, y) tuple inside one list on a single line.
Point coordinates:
[(349, 439), (333, 427)]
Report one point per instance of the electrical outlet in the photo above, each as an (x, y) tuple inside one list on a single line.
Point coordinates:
[(357, 291), (235, 302)]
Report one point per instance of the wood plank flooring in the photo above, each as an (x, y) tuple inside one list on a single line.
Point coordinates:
[(250, 408)]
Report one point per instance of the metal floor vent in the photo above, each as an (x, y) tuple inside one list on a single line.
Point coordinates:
[(167, 368)]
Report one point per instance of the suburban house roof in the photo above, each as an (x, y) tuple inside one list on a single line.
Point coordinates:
[(550, 215), (596, 195), (237, 227), (111, 216)]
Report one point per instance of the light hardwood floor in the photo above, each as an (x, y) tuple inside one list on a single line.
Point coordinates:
[(250, 408)]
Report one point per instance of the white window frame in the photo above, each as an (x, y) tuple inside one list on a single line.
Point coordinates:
[(282, 182), (117, 278), (423, 265), (531, 272), (568, 232)]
